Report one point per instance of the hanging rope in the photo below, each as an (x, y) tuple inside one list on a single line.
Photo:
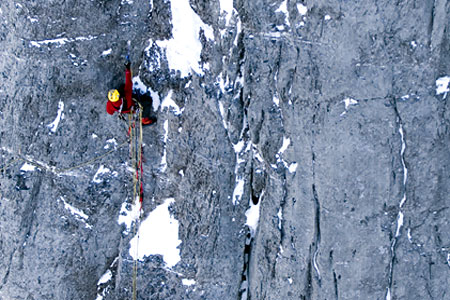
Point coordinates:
[(136, 157)]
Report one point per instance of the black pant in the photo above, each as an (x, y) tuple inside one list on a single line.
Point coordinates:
[(145, 100)]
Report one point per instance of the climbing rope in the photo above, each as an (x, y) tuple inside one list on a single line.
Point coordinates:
[(59, 171), (136, 157)]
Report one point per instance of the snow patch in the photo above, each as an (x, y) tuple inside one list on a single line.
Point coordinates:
[(105, 277), (222, 114), (276, 100), (238, 32), (405, 178), (286, 143), (171, 105), (75, 211), (27, 168), (252, 215), (128, 215), (283, 9), (238, 190), (101, 171), (54, 125), (442, 86), (106, 52), (156, 100), (184, 48), (32, 20), (240, 180), (348, 102), (61, 41), (110, 142), (188, 282), (226, 6), (166, 137), (292, 167), (280, 217), (140, 87), (302, 9), (79, 214), (158, 234)]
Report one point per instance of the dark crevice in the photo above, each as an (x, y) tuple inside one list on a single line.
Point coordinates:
[(308, 280), (316, 242), (255, 197), (336, 291), (104, 288), (5, 278), (394, 238), (244, 286), (317, 213), (317, 235), (431, 25)]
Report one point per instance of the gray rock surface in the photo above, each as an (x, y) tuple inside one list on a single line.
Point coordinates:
[(325, 113)]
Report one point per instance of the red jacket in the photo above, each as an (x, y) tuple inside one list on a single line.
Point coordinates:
[(124, 105)]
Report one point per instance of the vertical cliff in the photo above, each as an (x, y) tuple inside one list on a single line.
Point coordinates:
[(301, 150)]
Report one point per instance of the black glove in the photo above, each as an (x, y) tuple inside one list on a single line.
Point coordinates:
[(127, 65)]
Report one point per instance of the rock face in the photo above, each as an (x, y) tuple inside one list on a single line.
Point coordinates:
[(301, 149)]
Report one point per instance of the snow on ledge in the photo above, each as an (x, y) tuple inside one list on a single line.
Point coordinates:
[(101, 171), (75, 211), (79, 214), (158, 234), (188, 282), (105, 277), (106, 52), (27, 168), (171, 105), (442, 86), (54, 125), (62, 41)]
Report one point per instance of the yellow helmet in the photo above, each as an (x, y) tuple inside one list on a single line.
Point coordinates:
[(113, 95)]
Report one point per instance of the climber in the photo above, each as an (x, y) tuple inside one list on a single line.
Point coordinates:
[(123, 99)]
